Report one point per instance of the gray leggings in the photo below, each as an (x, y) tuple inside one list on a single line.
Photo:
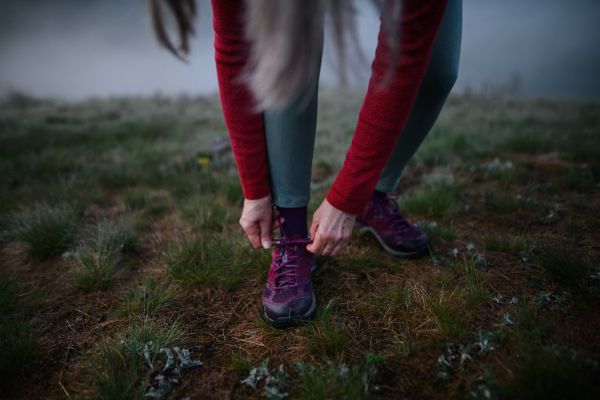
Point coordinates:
[(290, 133)]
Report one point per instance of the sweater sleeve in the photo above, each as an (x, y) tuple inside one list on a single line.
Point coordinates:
[(386, 109), (246, 127)]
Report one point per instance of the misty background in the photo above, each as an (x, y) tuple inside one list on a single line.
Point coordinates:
[(74, 49)]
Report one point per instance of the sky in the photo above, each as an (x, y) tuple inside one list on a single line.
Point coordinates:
[(75, 49)]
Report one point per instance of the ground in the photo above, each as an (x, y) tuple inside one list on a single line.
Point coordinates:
[(123, 268)]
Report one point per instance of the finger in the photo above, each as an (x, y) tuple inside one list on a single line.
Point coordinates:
[(251, 229), (265, 232), (339, 248), (315, 246), (313, 228), (328, 248)]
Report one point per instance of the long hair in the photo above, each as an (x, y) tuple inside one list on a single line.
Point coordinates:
[(286, 38)]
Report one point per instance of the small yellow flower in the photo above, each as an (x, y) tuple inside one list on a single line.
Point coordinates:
[(203, 160)]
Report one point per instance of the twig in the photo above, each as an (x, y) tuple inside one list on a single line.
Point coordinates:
[(65, 390), (84, 313), (248, 341)]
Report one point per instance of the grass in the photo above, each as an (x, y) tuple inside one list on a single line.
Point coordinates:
[(96, 262), (437, 232), (206, 212), (364, 260), (339, 382), (44, 230), (530, 322), (150, 236), (434, 200), (564, 262), (450, 323), (475, 291), (18, 350), (10, 290), (148, 298), (400, 296), (212, 259), (504, 242), (240, 363), (94, 269), (544, 376), (501, 201), (119, 370), (327, 337), (404, 345), (116, 235)]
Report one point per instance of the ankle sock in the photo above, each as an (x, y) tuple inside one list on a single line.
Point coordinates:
[(296, 222), (377, 195)]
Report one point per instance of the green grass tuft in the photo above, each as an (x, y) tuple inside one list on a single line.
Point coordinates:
[(120, 236), (327, 335), (10, 289), (44, 230), (504, 242), (502, 201), (212, 259), (18, 348), (364, 260), (529, 322), (148, 298), (240, 363), (339, 382), (450, 323), (119, 370), (564, 262), (476, 290), (206, 212), (434, 200), (399, 297), (94, 269), (95, 264)]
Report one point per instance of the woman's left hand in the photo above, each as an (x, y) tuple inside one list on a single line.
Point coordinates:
[(330, 230)]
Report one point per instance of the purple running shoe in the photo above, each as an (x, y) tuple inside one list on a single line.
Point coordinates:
[(288, 296), (394, 233)]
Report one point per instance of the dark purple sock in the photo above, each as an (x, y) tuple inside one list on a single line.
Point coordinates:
[(377, 195), (296, 222)]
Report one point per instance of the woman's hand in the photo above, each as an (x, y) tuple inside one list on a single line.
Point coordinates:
[(330, 230), (259, 221)]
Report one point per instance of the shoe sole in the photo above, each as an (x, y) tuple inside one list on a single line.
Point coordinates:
[(296, 320), (423, 251)]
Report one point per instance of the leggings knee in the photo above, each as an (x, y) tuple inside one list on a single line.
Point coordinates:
[(440, 81)]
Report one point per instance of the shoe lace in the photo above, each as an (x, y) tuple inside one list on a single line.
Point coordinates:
[(390, 212), (286, 261)]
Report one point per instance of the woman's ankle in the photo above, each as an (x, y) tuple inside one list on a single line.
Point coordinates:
[(296, 221)]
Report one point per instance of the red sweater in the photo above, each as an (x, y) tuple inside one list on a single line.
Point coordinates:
[(381, 119)]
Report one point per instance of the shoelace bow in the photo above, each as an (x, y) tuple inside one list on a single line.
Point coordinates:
[(285, 268), (389, 211)]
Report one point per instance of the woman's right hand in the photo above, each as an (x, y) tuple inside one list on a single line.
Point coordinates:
[(259, 220)]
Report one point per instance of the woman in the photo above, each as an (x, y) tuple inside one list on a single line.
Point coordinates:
[(268, 53)]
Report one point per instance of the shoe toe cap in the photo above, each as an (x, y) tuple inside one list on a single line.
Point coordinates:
[(299, 307), (414, 244)]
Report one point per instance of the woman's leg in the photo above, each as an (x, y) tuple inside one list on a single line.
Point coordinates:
[(436, 85), (290, 139)]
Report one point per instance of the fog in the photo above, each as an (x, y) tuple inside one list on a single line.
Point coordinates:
[(74, 49)]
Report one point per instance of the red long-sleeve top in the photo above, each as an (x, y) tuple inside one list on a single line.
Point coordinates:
[(381, 119)]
